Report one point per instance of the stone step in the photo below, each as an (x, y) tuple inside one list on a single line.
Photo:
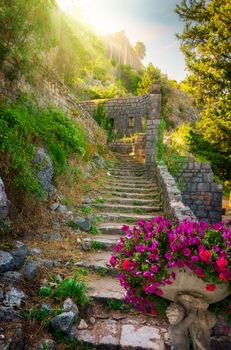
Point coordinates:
[(111, 228), (124, 183), (126, 173), (133, 179), (125, 217), (129, 332), (129, 189), (98, 262), (141, 201), (134, 196), (127, 167), (126, 208), (105, 242), (104, 288)]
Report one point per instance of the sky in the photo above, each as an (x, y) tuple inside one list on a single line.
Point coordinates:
[(151, 21)]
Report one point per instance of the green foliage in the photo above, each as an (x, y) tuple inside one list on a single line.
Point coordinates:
[(102, 271), (93, 230), (45, 291), (151, 75), (22, 126), (118, 305), (82, 271), (100, 200), (72, 288), (96, 245), (205, 41), (129, 78), (205, 150), (87, 210), (36, 314), (103, 92), (160, 141), (101, 117), (25, 32)]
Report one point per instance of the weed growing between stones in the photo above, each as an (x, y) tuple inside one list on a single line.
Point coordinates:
[(96, 245), (100, 200), (72, 288), (118, 305), (93, 230), (82, 271), (139, 211), (102, 271)]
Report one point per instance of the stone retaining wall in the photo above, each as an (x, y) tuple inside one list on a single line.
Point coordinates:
[(50, 90), (199, 191), (172, 201), (128, 115), (124, 147)]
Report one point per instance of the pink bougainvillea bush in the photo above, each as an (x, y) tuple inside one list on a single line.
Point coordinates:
[(145, 253)]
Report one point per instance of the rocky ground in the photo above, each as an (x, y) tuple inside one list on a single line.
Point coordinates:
[(41, 309)]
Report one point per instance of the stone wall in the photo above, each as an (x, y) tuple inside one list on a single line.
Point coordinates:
[(128, 115), (49, 90), (120, 146), (199, 191), (135, 145), (172, 201)]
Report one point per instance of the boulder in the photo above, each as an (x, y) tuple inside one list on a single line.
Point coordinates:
[(69, 305), (83, 223), (8, 314), (44, 170), (6, 261), (4, 203), (64, 322), (31, 270), (12, 277), (19, 254), (14, 297)]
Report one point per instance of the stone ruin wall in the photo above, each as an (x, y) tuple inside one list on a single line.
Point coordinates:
[(50, 90), (128, 115)]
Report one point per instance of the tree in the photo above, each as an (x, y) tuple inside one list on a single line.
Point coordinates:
[(151, 75), (140, 49), (25, 32), (129, 78), (205, 41)]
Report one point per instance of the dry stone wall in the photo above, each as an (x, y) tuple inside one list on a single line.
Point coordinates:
[(128, 115), (199, 191), (50, 90)]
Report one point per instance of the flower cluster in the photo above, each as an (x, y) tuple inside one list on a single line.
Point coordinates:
[(145, 254)]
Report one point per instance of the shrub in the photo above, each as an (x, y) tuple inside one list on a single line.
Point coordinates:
[(144, 256), (23, 127)]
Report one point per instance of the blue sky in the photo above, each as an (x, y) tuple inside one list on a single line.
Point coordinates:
[(151, 21)]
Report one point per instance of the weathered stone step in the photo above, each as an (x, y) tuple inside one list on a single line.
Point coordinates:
[(104, 288), (134, 196), (105, 242), (125, 217), (140, 201), (144, 184), (129, 333), (128, 208), (111, 228), (98, 262), (129, 189), (127, 167), (134, 179)]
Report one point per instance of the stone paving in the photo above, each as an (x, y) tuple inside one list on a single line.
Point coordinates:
[(128, 197)]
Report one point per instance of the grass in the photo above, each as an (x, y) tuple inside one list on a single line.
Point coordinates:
[(100, 200), (87, 210), (72, 288), (117, 305), (139, 211), (102, 271), (45, 291), (93, 230), (82, 271), (96, 245)]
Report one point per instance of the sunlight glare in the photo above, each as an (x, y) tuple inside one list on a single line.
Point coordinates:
[(93, 14)]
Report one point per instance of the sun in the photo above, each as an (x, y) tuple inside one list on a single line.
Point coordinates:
[(92, 13)]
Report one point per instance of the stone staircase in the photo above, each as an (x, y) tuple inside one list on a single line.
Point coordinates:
[(127, 197)]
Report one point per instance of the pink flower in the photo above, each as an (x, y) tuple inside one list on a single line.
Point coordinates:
[(168, 256), (187, 252), (140, 248), (154, 269), (205, 255), (194, 258), (222, 263), (210, 287), (126, 264)]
